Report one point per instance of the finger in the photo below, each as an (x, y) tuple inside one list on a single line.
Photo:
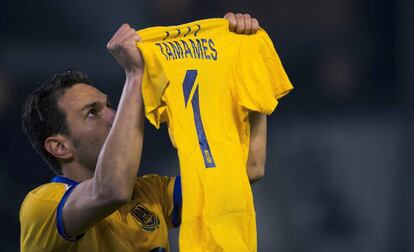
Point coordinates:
[(232, 21), (119, 35), (131, 35), (130, 32), (248, 24), (127, 38), (255, 25), (122, 30), (135, 38), (240, 23), (131, 40), (228, 14)]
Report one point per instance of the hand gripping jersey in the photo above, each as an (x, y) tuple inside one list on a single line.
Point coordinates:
[(140, 225), (203, 80)]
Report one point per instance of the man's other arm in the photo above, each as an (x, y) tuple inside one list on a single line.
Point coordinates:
[(257, 147)]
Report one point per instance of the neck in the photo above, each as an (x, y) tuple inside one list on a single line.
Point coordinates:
[(76, 172)]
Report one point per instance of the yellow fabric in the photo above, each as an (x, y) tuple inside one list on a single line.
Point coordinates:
[(234, 74), (121, 231)]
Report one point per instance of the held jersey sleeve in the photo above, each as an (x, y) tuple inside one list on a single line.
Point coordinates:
[(203, 81)]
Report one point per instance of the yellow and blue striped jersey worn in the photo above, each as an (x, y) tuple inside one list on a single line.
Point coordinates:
[(204, 80), (140, 225)]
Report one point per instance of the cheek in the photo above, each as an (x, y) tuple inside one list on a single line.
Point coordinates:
[(98, 134), (89, 143), (100, 130), (91, 133), (98, 123)]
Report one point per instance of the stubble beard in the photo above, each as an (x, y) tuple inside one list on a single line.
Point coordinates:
[(87, 153)]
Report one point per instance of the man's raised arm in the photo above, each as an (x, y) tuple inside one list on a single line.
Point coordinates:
[(119, 159)]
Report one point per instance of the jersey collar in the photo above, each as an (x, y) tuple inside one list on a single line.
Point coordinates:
[(60, 179)]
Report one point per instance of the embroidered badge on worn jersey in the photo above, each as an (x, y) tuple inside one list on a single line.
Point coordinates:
[(148, 220)]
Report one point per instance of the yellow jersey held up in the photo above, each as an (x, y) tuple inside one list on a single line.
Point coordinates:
[(203, 81)]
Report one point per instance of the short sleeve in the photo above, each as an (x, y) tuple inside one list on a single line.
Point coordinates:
[(41, 218), (39, 224), (154, 83), (260, 79)]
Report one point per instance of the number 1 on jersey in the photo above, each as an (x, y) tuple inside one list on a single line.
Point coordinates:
[(188, 85)]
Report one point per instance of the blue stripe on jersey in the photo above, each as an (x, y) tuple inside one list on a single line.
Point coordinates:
[(205, 147), (188, 84), (178, 201)]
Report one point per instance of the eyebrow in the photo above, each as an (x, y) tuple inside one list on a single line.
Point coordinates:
[(92, 104), (89, 105)]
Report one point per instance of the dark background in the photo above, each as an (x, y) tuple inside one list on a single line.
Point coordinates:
[(340, 146)]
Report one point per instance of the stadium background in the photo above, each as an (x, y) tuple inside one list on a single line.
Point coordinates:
[(340, 147)]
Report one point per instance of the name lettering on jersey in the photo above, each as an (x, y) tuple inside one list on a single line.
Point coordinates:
[(194, 48), (148, 220)]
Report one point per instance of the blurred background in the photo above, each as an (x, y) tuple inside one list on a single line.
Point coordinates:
[(340, 147)]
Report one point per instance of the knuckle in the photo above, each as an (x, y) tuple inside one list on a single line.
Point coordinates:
[(114, 46)]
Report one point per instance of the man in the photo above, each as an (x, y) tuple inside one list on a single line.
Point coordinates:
[(96, 202)]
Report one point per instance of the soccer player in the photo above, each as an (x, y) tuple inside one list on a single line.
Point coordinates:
[(96, 202)]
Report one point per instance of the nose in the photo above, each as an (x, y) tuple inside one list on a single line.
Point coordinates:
[(110, 115)]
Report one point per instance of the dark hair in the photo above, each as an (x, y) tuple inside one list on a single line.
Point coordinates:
[(42, 116)]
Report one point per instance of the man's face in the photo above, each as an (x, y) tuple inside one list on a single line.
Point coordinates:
[(89, 118)]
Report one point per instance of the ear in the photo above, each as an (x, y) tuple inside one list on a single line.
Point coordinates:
[(59, 146)]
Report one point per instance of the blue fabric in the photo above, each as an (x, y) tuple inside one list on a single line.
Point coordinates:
[(61, 230), (158, 250), (188, 84), (202, 138), (59, 179), (178, 201)]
